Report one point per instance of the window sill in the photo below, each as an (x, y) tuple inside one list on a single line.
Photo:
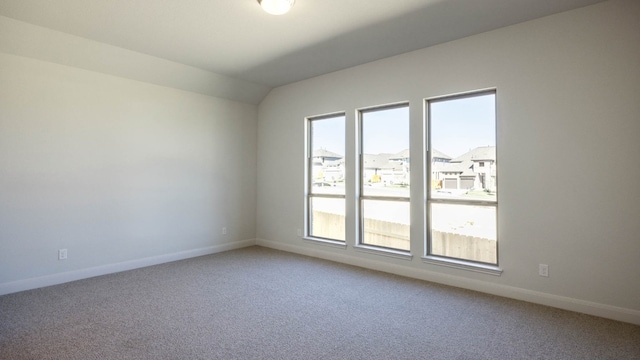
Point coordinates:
[(326, 242), (464, 265), (398, 254)]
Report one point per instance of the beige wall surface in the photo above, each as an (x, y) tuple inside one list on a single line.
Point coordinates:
[(567, 92), (115, 170)]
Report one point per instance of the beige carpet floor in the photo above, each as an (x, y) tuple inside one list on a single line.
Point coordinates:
[(258, 303)]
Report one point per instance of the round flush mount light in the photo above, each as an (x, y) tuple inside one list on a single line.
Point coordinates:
[(276, 7)]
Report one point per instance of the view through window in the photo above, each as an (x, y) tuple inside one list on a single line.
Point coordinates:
[(326, 178), (461, 177), (384, 177), (462, 167)]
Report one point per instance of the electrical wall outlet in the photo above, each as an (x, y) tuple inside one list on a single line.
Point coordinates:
[(543, 270), (224, 230), (62, 254)]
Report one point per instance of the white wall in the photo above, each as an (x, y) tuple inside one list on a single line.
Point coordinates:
[(24, 39), (568, 153), (119, 172)]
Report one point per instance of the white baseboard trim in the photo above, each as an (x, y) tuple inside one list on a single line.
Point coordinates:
[(55, 279), (586, 307)]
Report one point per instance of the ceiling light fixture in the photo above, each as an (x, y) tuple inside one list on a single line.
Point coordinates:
[(276, 7)]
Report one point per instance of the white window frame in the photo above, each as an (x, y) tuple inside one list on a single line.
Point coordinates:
[(308, 179), (428, 257), (360, 198)]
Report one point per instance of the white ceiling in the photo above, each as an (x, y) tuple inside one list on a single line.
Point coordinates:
[(235, 38)]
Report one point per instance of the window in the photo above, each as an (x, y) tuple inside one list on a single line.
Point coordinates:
[(325, 189), (462, 198), (384, 177)]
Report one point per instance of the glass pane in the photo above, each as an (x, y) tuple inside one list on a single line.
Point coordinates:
[(385, 152), (327, 218), (464, 231), (386, 223), (327, 157), (463, 148)]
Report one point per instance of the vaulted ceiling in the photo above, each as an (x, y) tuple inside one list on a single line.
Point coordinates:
[(237, 40)]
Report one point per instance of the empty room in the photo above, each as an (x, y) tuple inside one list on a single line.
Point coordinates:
[(280, 179)]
